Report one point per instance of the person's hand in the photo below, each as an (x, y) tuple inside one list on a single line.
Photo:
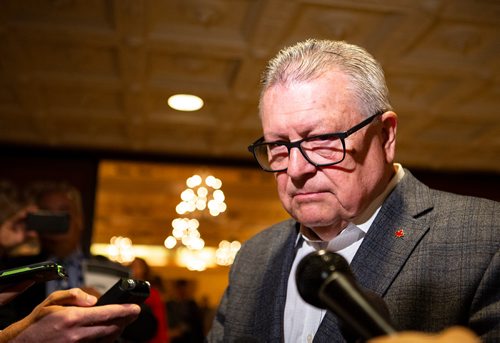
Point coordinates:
[(69, 316), (13, 230), (91, 290), (450, 335)]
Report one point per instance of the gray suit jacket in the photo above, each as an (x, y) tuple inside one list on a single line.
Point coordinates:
[(444, 270)]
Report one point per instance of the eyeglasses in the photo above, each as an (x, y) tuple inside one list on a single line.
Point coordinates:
[(321, 150)]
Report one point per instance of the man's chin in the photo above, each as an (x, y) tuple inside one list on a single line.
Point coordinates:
[(314, 214), (324, 233), (315, 221), (325, 226)]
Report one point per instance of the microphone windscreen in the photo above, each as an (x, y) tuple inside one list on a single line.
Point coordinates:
[(314, 269)]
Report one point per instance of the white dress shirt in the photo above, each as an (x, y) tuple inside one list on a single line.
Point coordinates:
[(302, 320)]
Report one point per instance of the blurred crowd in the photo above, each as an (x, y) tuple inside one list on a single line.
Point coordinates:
[(170, 314)]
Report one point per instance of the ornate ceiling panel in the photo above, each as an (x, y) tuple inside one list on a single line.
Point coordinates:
[(96, 74)]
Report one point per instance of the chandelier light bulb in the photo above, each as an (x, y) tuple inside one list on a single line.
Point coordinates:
[(226, 252), (218, 195), (202, 192), (197, 244), (188, 194), (170, 242), (178, 232), (222, 207), (209, 181), (217, 184), (194, 181), (193, 224), (201, 204)]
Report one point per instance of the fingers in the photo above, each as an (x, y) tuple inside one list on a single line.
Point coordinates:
[(101, 322), (109, 315), (69, 316), (23, 213), (453, 334), (13, 230), (74, 324), (91, 290), (74, 296), (79, 298), (458, 334)]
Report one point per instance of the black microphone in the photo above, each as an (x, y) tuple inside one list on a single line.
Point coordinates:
[(325, 280)]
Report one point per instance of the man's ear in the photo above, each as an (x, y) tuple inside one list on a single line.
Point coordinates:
[(389, 128)]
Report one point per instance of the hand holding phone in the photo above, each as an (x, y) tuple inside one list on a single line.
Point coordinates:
[(126, 291)]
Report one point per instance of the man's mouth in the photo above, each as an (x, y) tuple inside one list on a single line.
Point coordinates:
[(308, 196)]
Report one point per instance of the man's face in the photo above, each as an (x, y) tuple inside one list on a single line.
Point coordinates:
[(325, 199), (60, 202)]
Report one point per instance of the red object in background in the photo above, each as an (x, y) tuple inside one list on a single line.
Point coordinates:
[(155, 302)]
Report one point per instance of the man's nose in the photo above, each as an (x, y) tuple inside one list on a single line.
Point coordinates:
[(298, 165)]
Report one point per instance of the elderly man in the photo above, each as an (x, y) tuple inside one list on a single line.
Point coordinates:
[(330, 139)]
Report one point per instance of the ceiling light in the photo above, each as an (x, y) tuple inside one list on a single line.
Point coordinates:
[(185, 102)]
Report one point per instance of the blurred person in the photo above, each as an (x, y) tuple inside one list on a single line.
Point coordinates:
[(63, 248), (66, 250), (207, 314), (13, 230), (13, 213), (64, 316), (184, 315), (13, 233), (329, 138), (140, 270)]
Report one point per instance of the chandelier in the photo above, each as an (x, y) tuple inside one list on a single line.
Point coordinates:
[(201, 195), (120, 249)]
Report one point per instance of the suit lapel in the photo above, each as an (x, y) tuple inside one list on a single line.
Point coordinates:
[(396, 231), (398, 228)]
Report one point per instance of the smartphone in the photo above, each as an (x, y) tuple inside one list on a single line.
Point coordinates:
[(48, 222), (37, 272), (126, 291)]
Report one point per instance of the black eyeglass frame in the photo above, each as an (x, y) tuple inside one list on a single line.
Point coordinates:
[(297, 144)]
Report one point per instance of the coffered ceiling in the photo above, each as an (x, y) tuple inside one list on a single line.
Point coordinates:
[(96, 74)]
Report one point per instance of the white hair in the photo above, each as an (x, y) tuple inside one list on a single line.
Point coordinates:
[(309, 59)]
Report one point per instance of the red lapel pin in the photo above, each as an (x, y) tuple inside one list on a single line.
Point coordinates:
[(400, 233)]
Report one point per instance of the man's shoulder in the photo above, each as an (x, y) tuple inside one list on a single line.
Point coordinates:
[(411, 188), (264, 245), (281, 230), (446, 210)]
